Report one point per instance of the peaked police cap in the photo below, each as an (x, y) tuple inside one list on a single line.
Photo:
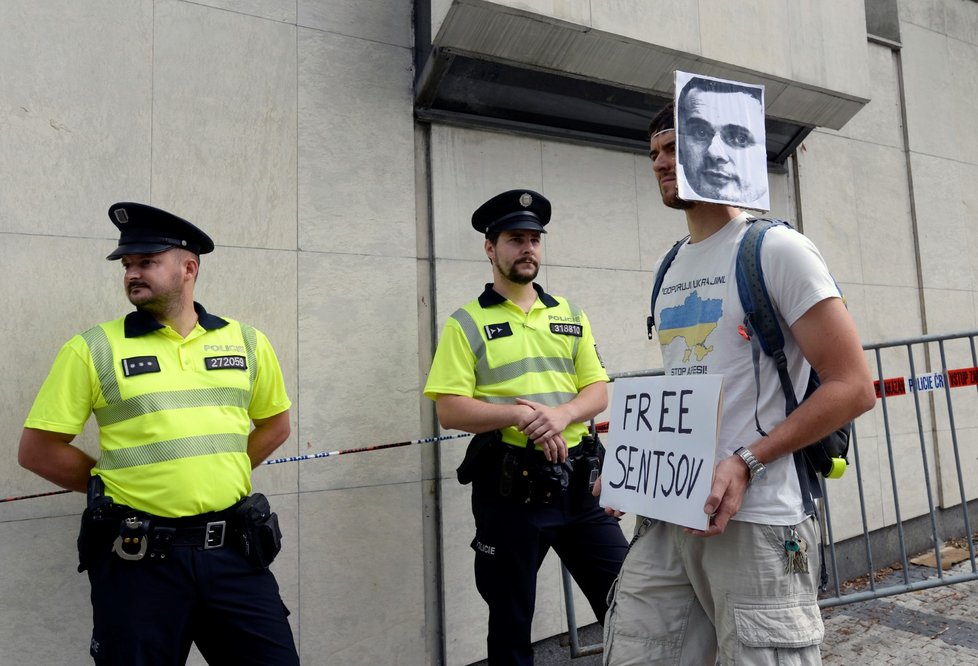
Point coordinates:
[(514, 209), (148, 230)]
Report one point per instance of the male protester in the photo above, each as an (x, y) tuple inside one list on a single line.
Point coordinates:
[(521, 368), (684, 594), (721, 151), (176, 550)]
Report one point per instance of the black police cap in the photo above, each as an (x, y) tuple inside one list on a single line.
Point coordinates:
[(514, 209), (148, 230)]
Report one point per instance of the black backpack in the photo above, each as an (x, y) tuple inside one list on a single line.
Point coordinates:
[(827, 456)]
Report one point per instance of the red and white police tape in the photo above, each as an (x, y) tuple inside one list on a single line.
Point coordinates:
[(935, 381)]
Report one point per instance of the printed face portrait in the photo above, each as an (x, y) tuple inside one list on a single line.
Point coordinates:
[(721, 143)]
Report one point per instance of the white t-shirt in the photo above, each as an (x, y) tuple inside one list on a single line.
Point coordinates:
[(697, 316)]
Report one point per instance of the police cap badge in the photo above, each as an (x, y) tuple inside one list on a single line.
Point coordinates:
[(514, 209)]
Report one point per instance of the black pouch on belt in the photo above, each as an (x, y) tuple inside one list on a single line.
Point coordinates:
[(99, 524), (587, 468), (475, 459), (260, 538)]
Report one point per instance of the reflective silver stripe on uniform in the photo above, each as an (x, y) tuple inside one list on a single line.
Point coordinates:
[(472, 334), (576, 314), (250, 342), (101, 352), (550, 399), (490, 376), (166, 400), (486, 376), (173, 449)]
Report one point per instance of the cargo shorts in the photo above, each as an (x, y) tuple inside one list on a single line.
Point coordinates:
[(687, 600)]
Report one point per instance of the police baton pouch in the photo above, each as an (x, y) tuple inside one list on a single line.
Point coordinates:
[(477, 455), (260, 538)]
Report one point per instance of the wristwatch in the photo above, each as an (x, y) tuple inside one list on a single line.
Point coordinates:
[(753, 465)]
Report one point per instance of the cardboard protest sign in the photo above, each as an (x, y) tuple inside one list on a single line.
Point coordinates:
[(721, 154), (662, 437)]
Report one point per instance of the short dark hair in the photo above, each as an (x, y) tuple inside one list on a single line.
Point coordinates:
[(709, 85), (663, 120), (493, 237)]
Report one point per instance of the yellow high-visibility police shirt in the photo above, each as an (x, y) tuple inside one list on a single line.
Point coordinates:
[(492, 351), (174, 413)]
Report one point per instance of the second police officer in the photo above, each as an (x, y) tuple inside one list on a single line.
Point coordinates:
[(520, 367)]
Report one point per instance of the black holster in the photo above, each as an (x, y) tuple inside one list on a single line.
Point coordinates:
[(260, 538), (477, 456), (99, 524)]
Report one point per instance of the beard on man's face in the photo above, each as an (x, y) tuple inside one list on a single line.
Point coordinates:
[(522, 272), (672, 200)]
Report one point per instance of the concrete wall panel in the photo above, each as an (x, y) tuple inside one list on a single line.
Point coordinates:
[(48, 615), (224, 122), (386, 22), (360, 601), (880, 120), (595, 219), (946, 200), (276, 10), (672, 24), (468, 168), (76, 111), (358, 382), (356, 146)]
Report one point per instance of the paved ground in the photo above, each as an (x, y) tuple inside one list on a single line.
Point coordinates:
[(933, 627)]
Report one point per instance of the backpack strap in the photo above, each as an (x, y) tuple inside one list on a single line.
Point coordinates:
[(765, 334), (659, 276), (751, 288), (760, 317)]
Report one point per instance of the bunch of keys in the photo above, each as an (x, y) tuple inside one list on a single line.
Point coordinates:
[(797, 551)]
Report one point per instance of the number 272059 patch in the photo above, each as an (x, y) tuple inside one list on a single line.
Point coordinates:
[(225, 363)]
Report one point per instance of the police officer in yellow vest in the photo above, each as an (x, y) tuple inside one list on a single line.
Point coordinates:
[(520, 367), (176, 547)]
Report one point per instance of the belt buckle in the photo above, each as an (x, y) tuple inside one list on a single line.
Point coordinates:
[(214, 534)]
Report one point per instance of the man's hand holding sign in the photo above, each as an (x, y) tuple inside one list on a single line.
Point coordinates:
[(662, 438)]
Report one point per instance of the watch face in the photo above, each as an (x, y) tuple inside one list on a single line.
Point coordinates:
[(754, 465)]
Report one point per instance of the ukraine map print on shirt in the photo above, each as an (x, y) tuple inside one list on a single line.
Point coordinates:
[(692, 323)]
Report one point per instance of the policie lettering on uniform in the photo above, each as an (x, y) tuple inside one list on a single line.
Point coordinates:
[(670, 474), (231, 361)]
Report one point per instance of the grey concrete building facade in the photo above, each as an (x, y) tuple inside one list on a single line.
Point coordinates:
[(320, 144)]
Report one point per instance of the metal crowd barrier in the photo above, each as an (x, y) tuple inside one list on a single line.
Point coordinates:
[(927, 389)]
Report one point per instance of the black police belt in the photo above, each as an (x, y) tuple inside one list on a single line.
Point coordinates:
[(525, 476), (145, 535)]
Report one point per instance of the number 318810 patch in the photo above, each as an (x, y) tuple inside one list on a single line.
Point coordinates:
[(225, 363), (567, 329)]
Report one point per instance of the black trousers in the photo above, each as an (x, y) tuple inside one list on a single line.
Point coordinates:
[(148, 612), (510, 544)]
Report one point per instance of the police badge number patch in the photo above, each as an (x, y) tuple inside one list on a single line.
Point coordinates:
[(567, 329), (225, 363), (494, 331)]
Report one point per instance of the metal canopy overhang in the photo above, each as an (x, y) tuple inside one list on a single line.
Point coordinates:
[(497, 67), (464, 90)]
